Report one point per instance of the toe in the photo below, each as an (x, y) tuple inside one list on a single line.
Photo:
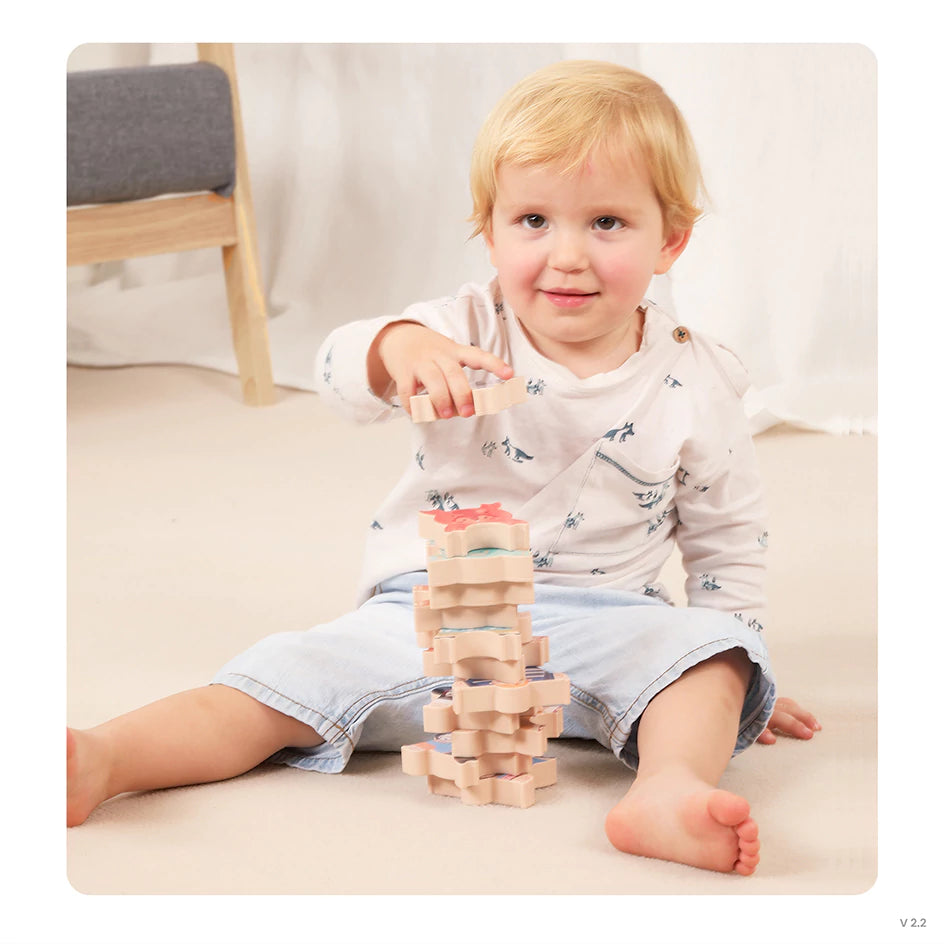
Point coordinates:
[(728, 808), (745, 868), (747, 831), (750, 848), (618, 830)]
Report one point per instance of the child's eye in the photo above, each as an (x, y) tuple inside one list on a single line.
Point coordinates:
[(532, 221), (607, 223)]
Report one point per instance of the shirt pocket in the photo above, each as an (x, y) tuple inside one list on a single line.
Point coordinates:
[(644, 487), (618, 505)]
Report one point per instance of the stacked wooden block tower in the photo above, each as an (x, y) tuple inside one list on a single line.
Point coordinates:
[(493, 723)]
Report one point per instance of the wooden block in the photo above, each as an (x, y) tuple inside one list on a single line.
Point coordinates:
[(536, 651), (483, 565), (484, 667), (496, 615), (550, 718), (478, 644), (440, 716), (486, 594), (504, 789), (490, 399), (427, 631), (463, 530), (528, 739), (435, 758), (499, 618), (544, 771), (512, 671), (497, 397), (540, 688)]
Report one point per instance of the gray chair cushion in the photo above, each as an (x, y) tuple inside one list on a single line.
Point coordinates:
[(141, 132)]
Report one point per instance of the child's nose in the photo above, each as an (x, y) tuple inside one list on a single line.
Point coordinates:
[(567, 253)]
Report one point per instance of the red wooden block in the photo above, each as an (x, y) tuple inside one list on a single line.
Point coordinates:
[(468, 529)]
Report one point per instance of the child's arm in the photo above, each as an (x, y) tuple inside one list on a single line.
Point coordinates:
[(722, 535), (406, 356), (362, 364), (722, 516)]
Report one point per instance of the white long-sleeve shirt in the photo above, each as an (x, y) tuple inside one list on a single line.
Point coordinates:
[(608, 470)]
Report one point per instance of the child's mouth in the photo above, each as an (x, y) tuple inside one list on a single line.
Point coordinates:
[(567, 299)]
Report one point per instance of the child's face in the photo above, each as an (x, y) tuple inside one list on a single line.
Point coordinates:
[(575, 256)]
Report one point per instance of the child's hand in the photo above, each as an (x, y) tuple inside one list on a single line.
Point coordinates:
[(411, 356), (790, 719)]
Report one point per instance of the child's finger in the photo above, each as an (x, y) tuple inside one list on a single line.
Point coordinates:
[(478, 359), (432, 378), (406, 388), (808, 719), (459, 388), (790, 707), (791, 725)]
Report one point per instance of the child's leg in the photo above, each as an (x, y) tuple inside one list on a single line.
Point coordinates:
[(205, 734), (685, 738)]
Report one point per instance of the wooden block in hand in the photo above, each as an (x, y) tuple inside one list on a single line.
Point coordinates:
[(485, 400)]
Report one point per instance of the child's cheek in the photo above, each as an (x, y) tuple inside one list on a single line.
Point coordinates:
[(615, 272), (525, 268)]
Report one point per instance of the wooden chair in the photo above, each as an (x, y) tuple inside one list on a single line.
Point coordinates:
[(118, 227)]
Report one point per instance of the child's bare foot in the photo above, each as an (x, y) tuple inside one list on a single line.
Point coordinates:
[(84, 784), (675, 816)]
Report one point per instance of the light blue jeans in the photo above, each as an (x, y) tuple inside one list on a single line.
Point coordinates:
[(358, 680)]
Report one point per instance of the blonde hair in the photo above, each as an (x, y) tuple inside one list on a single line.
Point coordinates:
[(562, 113)]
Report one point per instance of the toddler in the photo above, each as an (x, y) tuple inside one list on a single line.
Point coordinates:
[(585, 185)]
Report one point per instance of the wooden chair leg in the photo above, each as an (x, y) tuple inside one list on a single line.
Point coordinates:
[(247, 315), (247, 309)]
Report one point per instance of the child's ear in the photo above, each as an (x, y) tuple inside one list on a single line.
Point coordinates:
[(489, 241), (672, 249)]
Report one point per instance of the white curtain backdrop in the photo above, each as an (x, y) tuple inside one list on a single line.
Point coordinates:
[(359, 154)]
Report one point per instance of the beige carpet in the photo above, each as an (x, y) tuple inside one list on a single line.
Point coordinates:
[(195, 526)]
